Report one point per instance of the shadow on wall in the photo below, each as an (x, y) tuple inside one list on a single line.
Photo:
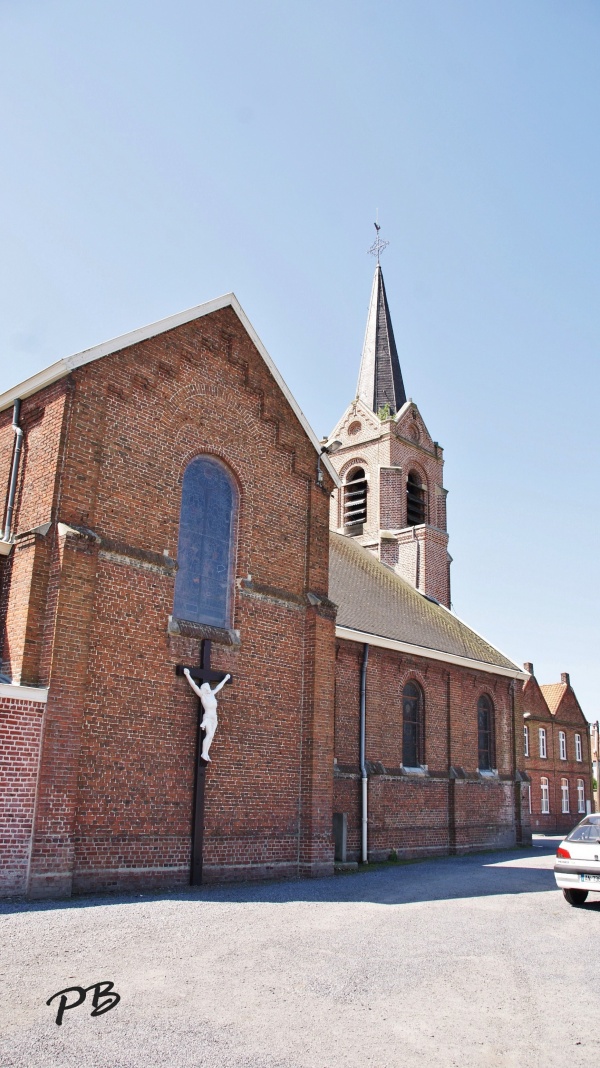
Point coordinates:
[(522, 871)]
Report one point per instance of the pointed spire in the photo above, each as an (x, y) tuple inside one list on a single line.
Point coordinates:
[(380, 378)]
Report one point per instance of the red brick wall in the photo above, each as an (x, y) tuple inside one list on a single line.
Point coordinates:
[(436, 813), (25, 572), (20, 733), (116, 780)]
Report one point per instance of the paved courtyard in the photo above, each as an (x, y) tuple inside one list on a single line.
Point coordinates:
[(457, 961)]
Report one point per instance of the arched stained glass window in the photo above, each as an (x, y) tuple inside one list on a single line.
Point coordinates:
[(485, 733), (412, 726), (205, 555)]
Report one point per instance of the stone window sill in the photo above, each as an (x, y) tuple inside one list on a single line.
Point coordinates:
[(184, 628)]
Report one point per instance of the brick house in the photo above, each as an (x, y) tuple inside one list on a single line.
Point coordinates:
[(557, 755), (125, 448), (437, 765)]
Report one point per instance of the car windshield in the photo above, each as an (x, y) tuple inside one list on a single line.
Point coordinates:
[(587, 831)]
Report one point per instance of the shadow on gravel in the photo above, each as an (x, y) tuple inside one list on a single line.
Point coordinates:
[(521, 871)]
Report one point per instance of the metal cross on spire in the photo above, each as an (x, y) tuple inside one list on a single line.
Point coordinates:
[(379, 244)]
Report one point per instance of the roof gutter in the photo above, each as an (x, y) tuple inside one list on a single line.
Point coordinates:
[(363, 756), (351, 635), (12, 489)]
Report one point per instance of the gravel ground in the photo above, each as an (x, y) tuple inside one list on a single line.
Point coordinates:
[(465, 961)]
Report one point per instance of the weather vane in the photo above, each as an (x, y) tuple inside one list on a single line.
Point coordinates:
[(379, 244)]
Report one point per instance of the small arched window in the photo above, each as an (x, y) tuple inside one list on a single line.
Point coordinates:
[(355, 501), (485, 733), (413, 754), (205, 553), (415, 500), (545, 795)]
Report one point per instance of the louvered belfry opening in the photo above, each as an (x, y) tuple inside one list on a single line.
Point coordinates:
[(415, 500), (355, 501)]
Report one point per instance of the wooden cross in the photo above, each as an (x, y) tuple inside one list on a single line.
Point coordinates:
[(203, 673)]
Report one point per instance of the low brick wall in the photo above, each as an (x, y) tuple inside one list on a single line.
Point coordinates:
[(20, 735)]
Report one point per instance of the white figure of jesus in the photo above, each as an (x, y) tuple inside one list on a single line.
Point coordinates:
[(209, 704)]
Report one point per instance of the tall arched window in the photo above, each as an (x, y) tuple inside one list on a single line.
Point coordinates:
[(415, 500), (355, 501), (485, 733), (205, 553), (413, 754)]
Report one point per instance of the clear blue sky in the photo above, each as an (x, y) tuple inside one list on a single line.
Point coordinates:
[(157, 155)]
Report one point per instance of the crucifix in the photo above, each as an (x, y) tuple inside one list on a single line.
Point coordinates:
[(207, 722)]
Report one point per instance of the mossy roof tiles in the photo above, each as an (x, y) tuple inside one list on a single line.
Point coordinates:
[(373, 599)]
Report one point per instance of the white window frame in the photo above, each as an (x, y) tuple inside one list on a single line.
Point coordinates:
[(578, 749), (543, 744), (526, 740), (564, 795), (545, 795), (529, 797), (562, 745), (580, 795)]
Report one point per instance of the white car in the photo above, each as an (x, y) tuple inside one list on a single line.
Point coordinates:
[(577, 867)]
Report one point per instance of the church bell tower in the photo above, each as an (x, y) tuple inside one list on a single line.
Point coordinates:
[(392, 498)]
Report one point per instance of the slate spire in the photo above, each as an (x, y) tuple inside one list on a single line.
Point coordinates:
[(380, 378)]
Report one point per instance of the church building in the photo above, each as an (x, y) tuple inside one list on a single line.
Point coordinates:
[(428, 741), (166, 532)]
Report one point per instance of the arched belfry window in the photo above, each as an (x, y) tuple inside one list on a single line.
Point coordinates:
[(355, 501), (205, 553), (415, 500), (413, 754), (485, 733)]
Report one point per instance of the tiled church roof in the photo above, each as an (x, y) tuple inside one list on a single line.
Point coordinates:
[(373, 599)]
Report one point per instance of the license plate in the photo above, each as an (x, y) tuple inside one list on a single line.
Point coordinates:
[(589, 878)]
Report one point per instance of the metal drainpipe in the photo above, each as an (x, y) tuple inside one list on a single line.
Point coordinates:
[(363, 746), (15, 470)]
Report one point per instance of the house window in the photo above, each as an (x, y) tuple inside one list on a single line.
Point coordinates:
[(545, 795), (205, 552), (529, 797), (415, 500), (580, 796), (355, 501), (562, 745), (543, 752), (578, 753), (412, 726), (526, 740), (485, 729), (564, 794)]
